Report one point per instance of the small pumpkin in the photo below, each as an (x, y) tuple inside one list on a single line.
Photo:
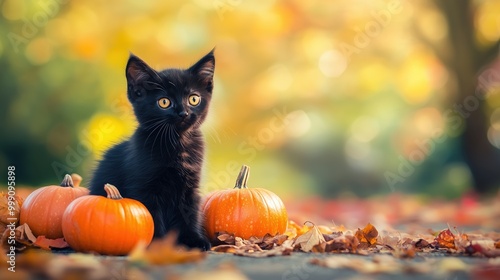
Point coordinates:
[(43, 208), (110, 225), (243, 211)]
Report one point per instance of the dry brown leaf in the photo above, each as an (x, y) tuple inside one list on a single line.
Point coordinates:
[(497, 244), (224, 248), (332, 235), (269, 241), (421, 243), (339, 244), (308, 240), (23, 237), (239, 242), (255, 251), (47, 244), (9, 210), (226, 238), (367, 235), (165, 251), (258, 247), (445, 239)]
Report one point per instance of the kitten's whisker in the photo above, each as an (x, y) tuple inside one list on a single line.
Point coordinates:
[(171, 137), (164, 128), (154, 120), (177, 136), (154, 141), (161, 133), (154, 127)]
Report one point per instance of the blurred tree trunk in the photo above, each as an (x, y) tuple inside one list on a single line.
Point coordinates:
[(465, 59)]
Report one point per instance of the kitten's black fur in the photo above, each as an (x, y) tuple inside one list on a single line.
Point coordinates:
[(160, 164)]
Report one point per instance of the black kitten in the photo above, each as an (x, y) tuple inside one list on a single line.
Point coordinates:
[(160, 164)]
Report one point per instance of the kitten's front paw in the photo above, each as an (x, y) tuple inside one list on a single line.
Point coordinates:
[(196, 241)]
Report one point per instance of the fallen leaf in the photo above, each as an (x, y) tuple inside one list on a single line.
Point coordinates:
[(239, 242), (255, 251), (446, 239), (47, 244), (294, 230), (164, 251), (269, 241), (345, 242), (9, 210), (23, 237), (367, 235), (258, 247), (225, 248), (308, 240), (223, 238), (421, 243)]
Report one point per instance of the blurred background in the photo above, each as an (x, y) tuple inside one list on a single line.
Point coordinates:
[(325, 98)]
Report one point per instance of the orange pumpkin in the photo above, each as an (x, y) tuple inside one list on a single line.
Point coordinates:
[(243, 211), (110, 226), (43, 208)]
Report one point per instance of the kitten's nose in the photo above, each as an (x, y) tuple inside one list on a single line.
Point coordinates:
[(183, 114)]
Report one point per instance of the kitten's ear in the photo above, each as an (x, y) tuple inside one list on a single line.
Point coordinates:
[(204, 70), (138, 73)]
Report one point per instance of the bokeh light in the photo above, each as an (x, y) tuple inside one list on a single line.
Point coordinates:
[(335, 93)]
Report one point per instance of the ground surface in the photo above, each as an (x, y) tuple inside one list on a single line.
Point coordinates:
[(298, 266), (394, 253)]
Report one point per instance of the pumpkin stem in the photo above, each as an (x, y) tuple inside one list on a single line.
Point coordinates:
[(112, 192), (67, 181), (241, 181), (77, 179)]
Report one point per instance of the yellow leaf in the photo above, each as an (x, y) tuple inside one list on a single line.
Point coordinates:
[(310, 239)]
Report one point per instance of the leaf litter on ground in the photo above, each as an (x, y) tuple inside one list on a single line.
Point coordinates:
[(385, 251)]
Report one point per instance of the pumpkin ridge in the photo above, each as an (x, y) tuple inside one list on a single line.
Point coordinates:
[(269, 224), (239, 204), (122, 212), (269, 209), (213, 214)]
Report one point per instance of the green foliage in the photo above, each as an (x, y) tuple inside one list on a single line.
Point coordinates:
[(328, 95)]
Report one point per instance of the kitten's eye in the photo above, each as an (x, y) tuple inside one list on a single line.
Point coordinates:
[(164, 102), (194, 99)]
